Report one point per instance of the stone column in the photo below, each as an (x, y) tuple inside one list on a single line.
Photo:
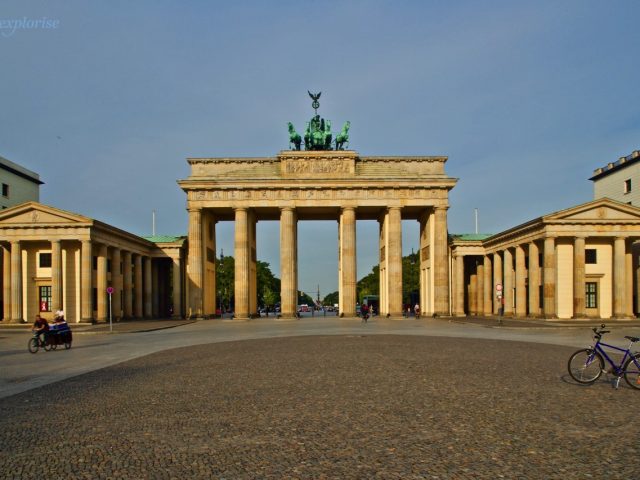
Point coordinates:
[(288, 263), (86, 280), (177, 288), (549, 277), (459, 305), (521, 284), (473, 294), (629, 279), (619, 273), (394, 261), (116, 283), (148, 291), (56, 275), (497, 280), (441, 262), (6, 284), (196, 259), (253, 267), (508, 283), (348, 276), (156, 287), (488, 287), (383, 220), (16, 282), (127, 289), (137, 287), (241, 248), (534, 280), (579, 278), (101, 284), (480, 289)]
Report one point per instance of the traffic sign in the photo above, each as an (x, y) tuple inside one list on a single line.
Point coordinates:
[(109, 290), (498, 287)]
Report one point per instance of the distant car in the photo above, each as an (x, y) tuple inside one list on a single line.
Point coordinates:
[(304, 308)]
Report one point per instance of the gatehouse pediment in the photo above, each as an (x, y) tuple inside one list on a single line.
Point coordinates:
[(605, 209), (37, 213)]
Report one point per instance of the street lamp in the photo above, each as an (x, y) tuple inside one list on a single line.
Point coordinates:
[(220, 297)]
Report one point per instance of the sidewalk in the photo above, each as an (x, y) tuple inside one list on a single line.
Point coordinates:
[(510, 322), (124, 326)]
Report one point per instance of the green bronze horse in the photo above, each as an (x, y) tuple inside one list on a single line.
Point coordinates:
[(343, 136), (294, 137)]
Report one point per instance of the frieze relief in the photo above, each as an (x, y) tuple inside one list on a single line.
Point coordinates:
[(316, 194), (337, 167)]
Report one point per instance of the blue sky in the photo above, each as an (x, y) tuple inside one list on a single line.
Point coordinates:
[(525, 98)]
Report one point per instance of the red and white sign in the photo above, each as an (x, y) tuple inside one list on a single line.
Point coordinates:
[(109, 290), (498, 287), (44, 306)]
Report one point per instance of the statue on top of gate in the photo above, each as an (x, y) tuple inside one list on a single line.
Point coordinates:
[(317, 135)]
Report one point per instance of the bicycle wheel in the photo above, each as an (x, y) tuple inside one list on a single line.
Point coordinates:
[(585, 366), (631, 371), (33, 345), (48, 344), (67, 345)]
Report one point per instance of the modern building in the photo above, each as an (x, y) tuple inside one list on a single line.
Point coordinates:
[(19, 185), (619, 180), (53, 259), (575, 263)]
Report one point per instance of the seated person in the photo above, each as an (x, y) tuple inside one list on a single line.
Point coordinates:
[(41, 326)]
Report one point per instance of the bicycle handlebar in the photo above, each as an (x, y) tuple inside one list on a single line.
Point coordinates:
[(599, 333)]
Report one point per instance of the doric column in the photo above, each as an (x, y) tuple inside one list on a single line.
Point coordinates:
[(629, 279), (116, 283), (148, 291), (16, 282), (480, 289), (497, 280), (241, 248), (195, 307), (534, 280), (347, 277), (549, 277), (441, 262), (521, 284), (472, 294), (394, 261), (459, 305), (253, 263), (101, 284), (6, 284), (177, 288), (383, 221), (56, 275), (619, 273), (156, 286), (127, 285), (508, 283), (288, 262), (86, 280), (137, 287), (578, 278), (488, 287)]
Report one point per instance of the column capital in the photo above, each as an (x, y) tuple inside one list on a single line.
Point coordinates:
[(350, 208), (441, 207), (287, 209), (192, 209), (240, 209)]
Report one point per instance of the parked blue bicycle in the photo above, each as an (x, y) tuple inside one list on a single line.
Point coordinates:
[(586, 365)]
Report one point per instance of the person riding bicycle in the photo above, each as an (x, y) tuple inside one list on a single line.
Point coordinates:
[(364, 312), (41, 328)]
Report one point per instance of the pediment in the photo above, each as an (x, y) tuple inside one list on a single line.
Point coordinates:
[(599, 210), (36, 213)]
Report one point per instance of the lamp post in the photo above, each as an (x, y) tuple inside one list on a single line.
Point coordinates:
[(220, 297)]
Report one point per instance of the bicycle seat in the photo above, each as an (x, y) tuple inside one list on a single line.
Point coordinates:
[(633, 339)]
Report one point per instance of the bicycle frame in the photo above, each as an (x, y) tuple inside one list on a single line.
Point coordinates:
[(627, 353)]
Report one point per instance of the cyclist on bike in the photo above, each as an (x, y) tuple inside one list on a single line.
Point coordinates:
[(364, 311), (41, 327)]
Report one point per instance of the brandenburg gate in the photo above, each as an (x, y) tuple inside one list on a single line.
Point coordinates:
[(318, 183)]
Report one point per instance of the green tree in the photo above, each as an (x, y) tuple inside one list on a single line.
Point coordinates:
[(330, 299), (410, 279), (268, 285)]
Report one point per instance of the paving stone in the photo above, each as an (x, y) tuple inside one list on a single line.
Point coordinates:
[(358, 406)]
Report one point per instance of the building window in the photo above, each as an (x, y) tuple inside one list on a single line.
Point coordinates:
[(5, 190), (627, 185), (45, 260), (45, 298), (590, 256), (95, 262), (591, 297)]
